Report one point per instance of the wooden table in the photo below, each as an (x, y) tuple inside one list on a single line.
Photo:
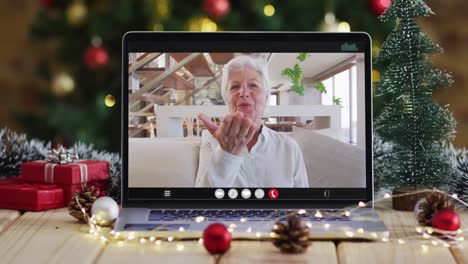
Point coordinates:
[(54, 237)]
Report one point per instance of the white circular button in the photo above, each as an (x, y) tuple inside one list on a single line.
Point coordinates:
[(219, 193), (233, 193), (246, 193), (259, 193)]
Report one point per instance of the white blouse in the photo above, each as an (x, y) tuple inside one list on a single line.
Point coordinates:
[(274, 161)]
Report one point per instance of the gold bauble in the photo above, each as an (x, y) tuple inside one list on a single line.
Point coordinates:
[(77, 13), (161, 9), (203, 24), (109, 101), (62, 84)]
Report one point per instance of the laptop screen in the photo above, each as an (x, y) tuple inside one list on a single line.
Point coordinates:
[(237, 119)]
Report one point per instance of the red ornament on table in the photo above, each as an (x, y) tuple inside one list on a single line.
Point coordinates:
[(96, 57), (447, 220), (216, 239), (216, 8), (379, 6), (46, 2)]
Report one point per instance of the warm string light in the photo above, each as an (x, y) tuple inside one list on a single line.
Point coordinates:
[(436, 237), (269, 10)]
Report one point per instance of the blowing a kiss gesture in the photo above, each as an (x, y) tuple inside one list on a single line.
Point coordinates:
[(234, 132), (246, 99)]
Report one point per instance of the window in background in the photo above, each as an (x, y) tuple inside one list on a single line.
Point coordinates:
[(343, 85), (273, 101), (353, 105)]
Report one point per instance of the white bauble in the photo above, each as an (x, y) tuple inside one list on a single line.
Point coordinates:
[(416, 206), (105, 210)]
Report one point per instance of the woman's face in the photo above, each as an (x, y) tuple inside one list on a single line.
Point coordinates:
[(246, 94)]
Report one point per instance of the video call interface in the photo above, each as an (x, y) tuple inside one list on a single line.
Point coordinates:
[(246, 126)]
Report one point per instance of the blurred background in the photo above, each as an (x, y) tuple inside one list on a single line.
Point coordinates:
[(60, 59)]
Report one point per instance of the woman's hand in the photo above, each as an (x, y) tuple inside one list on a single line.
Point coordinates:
[(234, 132)]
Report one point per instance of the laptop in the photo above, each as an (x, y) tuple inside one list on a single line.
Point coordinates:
[(244, 129)]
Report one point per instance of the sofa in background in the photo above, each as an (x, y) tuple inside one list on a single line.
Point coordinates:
[(173, 162)]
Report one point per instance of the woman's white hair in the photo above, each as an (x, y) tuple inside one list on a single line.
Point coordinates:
[(240, 62)]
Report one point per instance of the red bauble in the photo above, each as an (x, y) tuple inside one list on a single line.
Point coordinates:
[(216, 238), (447, 220), (96, 57), (379, 6), (216, 8), (46, 2)]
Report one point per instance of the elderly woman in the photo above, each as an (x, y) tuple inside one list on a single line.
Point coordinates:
[(241, 151)]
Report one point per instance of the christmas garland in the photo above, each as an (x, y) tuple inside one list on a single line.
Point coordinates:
[(16, 148), (458, 158)]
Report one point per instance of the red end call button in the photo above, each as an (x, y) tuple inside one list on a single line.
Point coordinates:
[(273, 193)]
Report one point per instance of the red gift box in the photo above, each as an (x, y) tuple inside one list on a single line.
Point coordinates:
[(69, 177), (71, 173), (17, 195)]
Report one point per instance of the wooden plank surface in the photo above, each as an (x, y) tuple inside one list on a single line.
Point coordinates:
[(460, 252), (6, 218), (55, 237), (386, 252), (48, 237), (193, 252), (402, 225), (414, 248)]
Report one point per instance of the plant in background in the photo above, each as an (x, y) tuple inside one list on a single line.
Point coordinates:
[(320, 87), (336, 100), (295, 76)]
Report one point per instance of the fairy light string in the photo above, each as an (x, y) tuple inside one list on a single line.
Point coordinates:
[(428, 236)]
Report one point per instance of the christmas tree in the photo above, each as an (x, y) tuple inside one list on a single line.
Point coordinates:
[(417, 127), (82, 40), (82, 69)]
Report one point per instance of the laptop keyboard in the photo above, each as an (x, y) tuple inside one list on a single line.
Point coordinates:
[(250, 215)]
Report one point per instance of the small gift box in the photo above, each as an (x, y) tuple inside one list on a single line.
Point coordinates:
[(68, 176), (17, 195), (77, 172), (71, 173)]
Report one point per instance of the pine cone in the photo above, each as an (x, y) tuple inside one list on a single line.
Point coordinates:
[(85, 198), (292, 237), (434, 201)]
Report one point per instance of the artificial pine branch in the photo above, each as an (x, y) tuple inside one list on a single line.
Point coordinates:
[(459, 160), (16, 149)]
